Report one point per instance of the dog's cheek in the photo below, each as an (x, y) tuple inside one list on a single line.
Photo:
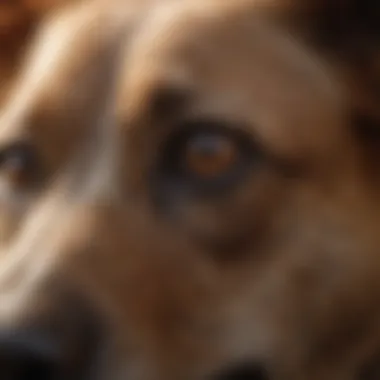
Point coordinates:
[(14, 206), (9, 222), (235, 227)]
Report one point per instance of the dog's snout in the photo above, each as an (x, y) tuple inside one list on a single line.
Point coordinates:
[(57, 346)]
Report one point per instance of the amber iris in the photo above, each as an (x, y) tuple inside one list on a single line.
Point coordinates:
[(210, 155)]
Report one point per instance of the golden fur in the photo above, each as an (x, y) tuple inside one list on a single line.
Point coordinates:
[(275, 277)]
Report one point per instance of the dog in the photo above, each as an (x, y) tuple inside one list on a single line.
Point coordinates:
[(189, 190)]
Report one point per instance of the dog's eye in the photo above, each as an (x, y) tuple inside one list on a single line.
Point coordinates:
[(207, 156), (18, 163)]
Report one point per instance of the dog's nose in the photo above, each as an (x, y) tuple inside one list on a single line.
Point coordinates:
[(27, 355), (243, 371), (63, 346), (37, 356)]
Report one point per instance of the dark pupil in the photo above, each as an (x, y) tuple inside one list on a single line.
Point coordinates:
[(207, 146)]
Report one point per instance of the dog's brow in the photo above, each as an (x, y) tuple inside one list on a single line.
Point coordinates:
[(169, 101), (156, 101)]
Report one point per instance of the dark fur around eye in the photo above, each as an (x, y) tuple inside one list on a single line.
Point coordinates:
[(171, 173)]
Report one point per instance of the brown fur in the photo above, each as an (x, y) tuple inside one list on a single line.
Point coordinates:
[(281, 271), (18, 22)]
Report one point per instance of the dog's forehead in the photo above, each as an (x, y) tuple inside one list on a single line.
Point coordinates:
[(61, 68), (241, 65), (64, 89)]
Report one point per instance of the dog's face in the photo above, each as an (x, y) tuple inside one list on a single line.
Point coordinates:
[(18, 21), (185, 195)]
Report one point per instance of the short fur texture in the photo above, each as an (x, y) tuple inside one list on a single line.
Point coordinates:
[(135, 273)]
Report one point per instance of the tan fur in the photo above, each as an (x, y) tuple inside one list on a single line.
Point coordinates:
[(19, 20), (282, 272)]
